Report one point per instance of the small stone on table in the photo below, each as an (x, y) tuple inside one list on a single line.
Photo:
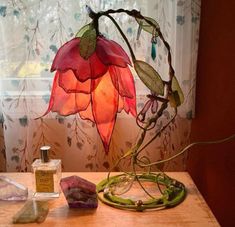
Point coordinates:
[(11, 190), (79, 192), (33, 211)]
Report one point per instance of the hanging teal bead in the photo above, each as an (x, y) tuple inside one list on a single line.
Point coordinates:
[(153, 51)]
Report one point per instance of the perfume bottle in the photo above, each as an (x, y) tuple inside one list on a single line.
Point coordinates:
[(46, 175)]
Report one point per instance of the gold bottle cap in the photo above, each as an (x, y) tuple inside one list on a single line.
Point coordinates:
[(45, 153)]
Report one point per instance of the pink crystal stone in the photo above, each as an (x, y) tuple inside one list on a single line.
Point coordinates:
[(79, 192), (11, 190)]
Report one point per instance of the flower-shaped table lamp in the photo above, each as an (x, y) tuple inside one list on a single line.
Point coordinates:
[(93, 79)]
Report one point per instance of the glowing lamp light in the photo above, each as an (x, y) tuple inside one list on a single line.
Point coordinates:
[(97, 88)]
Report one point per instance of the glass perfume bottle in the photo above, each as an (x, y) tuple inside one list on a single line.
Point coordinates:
[(46, 175)]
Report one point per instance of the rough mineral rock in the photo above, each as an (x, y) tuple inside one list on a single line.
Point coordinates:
[(79, 192), (11, 190)]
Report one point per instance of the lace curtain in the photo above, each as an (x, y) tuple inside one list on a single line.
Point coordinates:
[(31, 33)]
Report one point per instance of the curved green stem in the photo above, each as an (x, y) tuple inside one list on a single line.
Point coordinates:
[(159, 132), (95, 17), (186, 148), (137, 179), (123, 36)]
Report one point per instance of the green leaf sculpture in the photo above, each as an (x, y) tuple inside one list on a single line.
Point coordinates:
[(177, 96), (149, 77), (84, 29), (148, 27), (88, 43)]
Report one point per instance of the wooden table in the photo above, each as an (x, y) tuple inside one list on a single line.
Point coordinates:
[(192, 212)]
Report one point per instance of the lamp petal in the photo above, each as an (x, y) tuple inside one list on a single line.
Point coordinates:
[(104, 107), (123, 81), (66, 103), (87, 114), (69, 82), (111, 53), (68, 57), (130, 106), (120, 104)]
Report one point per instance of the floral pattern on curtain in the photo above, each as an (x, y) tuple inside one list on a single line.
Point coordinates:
[(31, 33)]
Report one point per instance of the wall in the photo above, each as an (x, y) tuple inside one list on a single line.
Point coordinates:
[(213, 167)]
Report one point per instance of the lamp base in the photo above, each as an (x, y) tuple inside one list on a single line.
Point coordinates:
[(114, 191)]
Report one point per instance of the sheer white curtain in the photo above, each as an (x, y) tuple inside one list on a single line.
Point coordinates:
[(31, 33)]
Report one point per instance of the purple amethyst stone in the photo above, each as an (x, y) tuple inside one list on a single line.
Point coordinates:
[(79, 192)]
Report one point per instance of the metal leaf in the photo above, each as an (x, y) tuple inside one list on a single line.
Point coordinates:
[(177, 96), (88, 43), (174, 99), (146, 26), (149, 77), (176, 87), (83, 30)]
